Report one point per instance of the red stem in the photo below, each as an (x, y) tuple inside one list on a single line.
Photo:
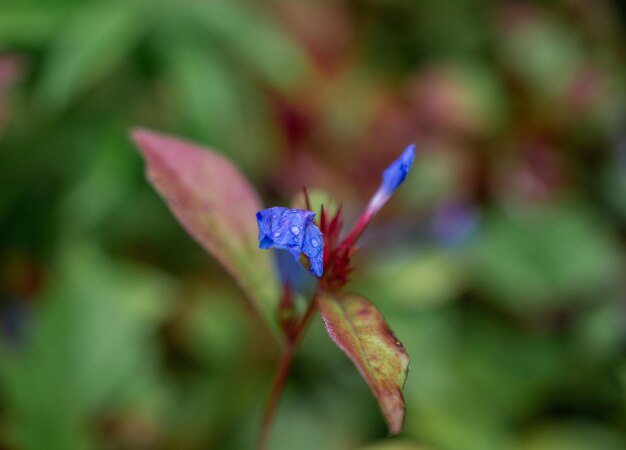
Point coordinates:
[(277, 386), (356, 231), (281, 373)]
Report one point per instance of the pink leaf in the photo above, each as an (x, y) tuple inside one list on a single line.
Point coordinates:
[(216, 205), (359, 329)]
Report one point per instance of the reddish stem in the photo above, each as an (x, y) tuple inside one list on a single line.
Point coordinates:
[(356, 231), (281, 373), (277, 387)]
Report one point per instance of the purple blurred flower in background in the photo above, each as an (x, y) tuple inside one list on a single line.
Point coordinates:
[(454, 223)]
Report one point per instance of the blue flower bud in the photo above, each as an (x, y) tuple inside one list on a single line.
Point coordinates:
[(394, 175), (292, 230)]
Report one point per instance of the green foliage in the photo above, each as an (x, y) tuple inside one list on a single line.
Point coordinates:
[(540, 259), (89, 350), (117, 331), (213, 56)]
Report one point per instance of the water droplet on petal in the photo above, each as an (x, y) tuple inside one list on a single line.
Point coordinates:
[(295, 230), (314, 242), (276, 234)]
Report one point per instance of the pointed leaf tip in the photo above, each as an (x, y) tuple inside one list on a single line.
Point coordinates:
[(216, 205), (359, 329)]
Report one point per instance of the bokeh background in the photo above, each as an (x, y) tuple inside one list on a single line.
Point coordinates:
[(499, 263)]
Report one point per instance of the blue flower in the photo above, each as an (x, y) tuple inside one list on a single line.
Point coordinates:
[(292, 230), (393, 176)]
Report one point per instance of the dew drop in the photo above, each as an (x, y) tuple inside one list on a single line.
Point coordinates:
[(295, 230), (314, 242), (276, 234)]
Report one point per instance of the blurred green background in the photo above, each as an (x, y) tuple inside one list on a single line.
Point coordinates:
[(499, 263)]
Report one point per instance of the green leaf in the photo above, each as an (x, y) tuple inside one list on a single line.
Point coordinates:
[(88, 48), (393, 275), (359, 329), (206, 88), (216, 205), (216, 101), (28, 23), (545, 258), (545, 54), (256, 40), (572, 435), (89, 350), (394, 445)]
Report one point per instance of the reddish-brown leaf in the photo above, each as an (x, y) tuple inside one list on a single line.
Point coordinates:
[(359, 329), (216, 205)]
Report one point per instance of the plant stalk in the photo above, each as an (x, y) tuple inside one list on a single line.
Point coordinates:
[(282, 371)]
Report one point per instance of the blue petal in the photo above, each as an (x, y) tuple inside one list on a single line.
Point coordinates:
[(395, 174), (293, 274), (292, 230), (313, 247)]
